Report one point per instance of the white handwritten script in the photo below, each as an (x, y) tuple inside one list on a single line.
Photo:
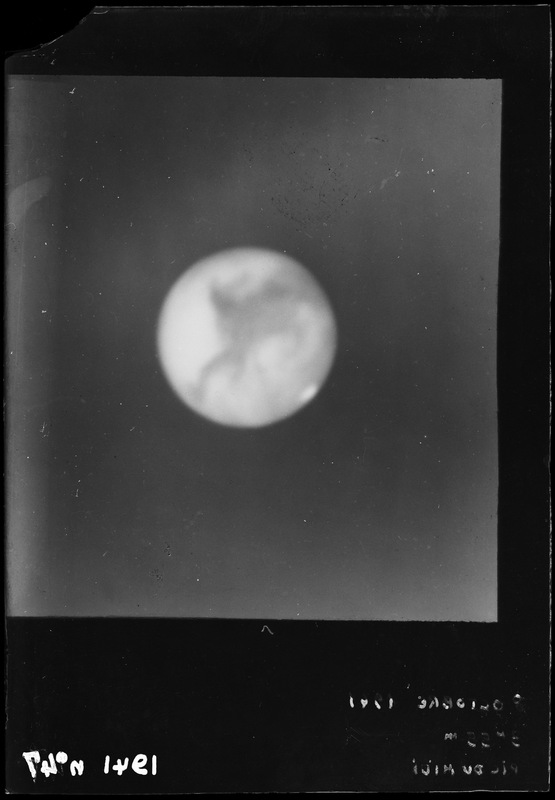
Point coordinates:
[(53, 764), (482, 738)]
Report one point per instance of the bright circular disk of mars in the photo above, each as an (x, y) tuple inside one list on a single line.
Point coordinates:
[(246, 337)]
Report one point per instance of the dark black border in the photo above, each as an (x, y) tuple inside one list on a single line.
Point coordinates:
[(303, 41), (229, 706)]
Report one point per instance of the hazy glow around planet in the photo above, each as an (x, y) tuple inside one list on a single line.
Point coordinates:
[(246, 337)]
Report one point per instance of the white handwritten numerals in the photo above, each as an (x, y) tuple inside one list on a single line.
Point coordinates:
[(138, 765), (49, 765), (484, 738), (378, 701)]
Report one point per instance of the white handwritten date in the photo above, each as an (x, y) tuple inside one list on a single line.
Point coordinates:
[(139, 765), (54, 764)]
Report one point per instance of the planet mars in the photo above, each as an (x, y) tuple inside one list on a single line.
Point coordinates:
[(246, 337)]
